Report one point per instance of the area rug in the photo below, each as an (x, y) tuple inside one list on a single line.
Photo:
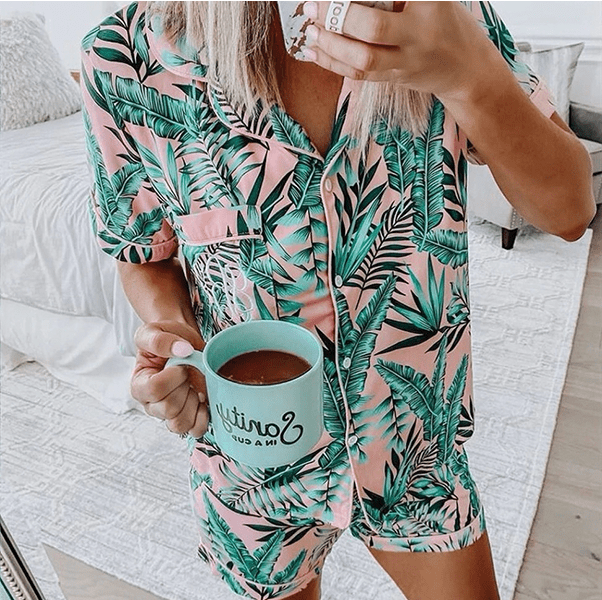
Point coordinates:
[(112, 490)]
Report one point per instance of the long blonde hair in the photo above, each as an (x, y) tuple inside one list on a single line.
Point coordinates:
[(239, 34)]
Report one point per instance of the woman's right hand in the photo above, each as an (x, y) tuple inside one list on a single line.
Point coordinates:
[(177, 394)]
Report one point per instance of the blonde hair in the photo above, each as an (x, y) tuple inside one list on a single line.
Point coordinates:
[(238, 34)]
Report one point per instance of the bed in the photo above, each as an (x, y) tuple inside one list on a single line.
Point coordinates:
[(61, 300)]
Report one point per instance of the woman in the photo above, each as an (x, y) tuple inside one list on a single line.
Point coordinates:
[(328, 192)]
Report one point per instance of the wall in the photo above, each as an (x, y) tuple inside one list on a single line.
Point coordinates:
[(548, 24), (66, 22), (542, 23)]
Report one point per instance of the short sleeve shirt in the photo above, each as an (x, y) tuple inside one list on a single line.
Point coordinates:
[(370, 254)]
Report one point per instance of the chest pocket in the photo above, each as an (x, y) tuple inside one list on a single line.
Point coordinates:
[(228, 266)]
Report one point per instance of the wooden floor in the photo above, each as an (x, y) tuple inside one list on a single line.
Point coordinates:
[(565, 547)]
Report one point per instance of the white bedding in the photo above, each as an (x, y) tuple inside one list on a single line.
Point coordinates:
[(61, 300), (50, 259)]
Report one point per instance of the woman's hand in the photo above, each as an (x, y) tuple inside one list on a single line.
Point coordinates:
[(431, 47), (176, 394)]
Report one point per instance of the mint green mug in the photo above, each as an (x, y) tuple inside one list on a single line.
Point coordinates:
[(262, 425)]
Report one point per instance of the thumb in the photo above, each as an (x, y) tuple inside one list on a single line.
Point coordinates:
[(152, 339)]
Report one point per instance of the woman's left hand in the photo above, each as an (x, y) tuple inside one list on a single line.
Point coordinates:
[(431, 47)]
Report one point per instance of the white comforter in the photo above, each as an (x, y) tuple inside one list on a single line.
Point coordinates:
[(50, 259)]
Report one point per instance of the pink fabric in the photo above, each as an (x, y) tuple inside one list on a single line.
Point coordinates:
[(370, 255)]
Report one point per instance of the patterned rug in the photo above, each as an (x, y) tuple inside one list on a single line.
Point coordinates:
[(112, 490)]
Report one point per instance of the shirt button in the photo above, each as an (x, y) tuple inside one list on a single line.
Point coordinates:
[(338, 281), (347, 363), (352, 440), (328, 185)]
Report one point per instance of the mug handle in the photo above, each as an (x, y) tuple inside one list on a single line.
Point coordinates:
[(193, 360)]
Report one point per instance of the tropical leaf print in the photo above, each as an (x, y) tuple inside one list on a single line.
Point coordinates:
[(386, 253), (288, 131), (114, 197), (425, 320), (399, 154), (275, 492), (357, 230), (257, 567), (307, 216), (455, 185), (256, 121), (228, 547), (499, 34), (329, 537), (450, 247), (334, 409), (394, 417), (458, 309), (145, 106), (128, 41), (197, 479), (329, 483), (452, 410), (440, 416), (229, 578), (427, 192), (459, 466), (414, 389), (357, 346), (466, 426)]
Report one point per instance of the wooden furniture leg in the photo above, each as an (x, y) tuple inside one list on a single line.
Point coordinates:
[(508, 237)]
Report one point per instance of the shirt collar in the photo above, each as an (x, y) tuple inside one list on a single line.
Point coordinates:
[(184, 60)]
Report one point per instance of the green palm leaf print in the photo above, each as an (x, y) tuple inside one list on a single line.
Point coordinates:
[(452, 411), (334, 409), (289, 573), (255, 121), (142, 105), (415, 389), (386, 253), (229, 578), (330, 482), (427, 193), (278, 492), (288, 130), (498, 33), (358, 346), (394, 413), (399, 155), (265, 557), (450, 247), (455, 184), (227, 545), (358, 231), (197, 479), (425, 319), (459, 466), (304, 193)]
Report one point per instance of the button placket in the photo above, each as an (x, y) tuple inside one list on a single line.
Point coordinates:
[(327, 189)]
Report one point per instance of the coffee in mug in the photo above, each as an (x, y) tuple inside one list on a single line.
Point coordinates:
[(268, 409), (264, 367)]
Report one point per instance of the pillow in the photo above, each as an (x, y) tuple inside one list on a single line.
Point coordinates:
[(556, 66), (34, 84)]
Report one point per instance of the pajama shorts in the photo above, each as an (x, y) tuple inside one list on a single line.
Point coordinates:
[(273, 550)]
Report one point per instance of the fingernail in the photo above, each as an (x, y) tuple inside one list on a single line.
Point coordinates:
[(310, 9), (311, 34), (182, 349), (202, 398), (309, 54)]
